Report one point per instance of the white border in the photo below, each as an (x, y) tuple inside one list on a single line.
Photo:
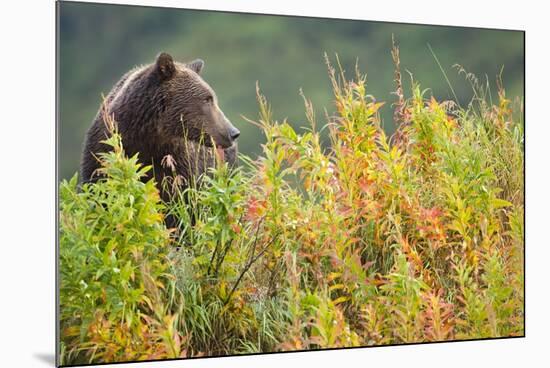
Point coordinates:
[(27, 182)]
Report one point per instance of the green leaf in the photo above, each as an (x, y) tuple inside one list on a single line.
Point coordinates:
[(500, 203)]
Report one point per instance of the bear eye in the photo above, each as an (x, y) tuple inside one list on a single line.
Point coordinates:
[(208, 100)]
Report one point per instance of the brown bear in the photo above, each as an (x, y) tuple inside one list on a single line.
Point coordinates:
[(169, 115)]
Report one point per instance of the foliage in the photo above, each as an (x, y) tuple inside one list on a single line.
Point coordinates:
[(378, 240), (113, 266)]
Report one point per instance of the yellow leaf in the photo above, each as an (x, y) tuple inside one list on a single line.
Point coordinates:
[(340, 300)]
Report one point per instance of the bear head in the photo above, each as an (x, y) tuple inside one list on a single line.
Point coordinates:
[(189, 105)]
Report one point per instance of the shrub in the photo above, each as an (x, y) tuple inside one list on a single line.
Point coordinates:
[(113, 266)]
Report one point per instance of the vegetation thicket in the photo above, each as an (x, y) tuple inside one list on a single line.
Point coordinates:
[(375, 240)]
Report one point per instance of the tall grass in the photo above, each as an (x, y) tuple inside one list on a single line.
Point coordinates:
[(377, 240)]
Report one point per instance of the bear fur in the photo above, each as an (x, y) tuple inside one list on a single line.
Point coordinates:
[(169, 115)]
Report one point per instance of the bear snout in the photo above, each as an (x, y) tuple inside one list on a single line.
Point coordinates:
[(234, 133)]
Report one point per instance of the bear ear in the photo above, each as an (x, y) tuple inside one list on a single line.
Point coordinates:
[(165, 66), (196, 65)]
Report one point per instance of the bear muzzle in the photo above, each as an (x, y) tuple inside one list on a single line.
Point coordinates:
[(229, 138)]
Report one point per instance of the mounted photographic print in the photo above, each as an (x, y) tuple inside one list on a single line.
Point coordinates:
[(233, 183)]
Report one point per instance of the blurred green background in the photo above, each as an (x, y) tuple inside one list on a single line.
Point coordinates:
[(99, 43)]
